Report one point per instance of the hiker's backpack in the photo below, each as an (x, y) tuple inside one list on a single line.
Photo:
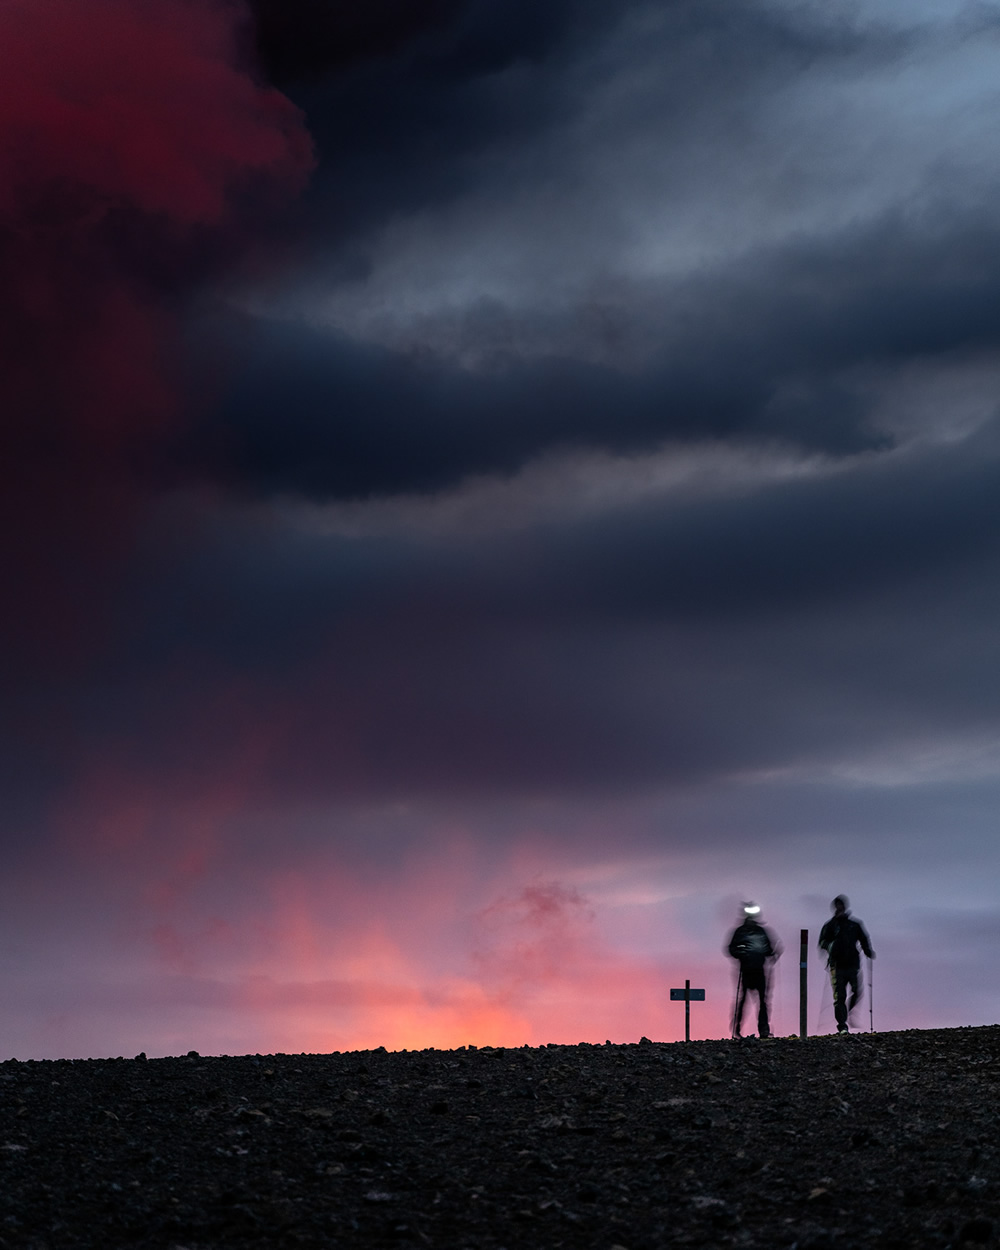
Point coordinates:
[(843, 947)]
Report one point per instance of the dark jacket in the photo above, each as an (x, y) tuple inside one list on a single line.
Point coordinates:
[(840, 937), (751, 944)]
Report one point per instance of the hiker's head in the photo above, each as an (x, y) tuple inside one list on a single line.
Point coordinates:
[(751, 913), (840, 905)]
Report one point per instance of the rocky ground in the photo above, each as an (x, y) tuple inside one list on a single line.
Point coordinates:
[(887, 1140)]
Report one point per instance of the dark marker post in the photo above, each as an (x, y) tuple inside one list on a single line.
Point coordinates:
[(803, 979)]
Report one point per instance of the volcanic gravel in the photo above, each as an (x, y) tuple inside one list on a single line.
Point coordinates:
[(866, 1140)]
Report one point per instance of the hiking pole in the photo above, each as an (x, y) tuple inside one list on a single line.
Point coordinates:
[(822, 1008), (871, 996), (736, 1004)]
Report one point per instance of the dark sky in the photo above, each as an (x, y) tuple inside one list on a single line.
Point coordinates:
[(486, 487)]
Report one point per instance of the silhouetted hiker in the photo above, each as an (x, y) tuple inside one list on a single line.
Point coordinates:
[(753, 946), (840, 937)]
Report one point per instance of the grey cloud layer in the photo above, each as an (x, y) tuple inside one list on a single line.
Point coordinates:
[(782, 347), (797, 625), (679, 220), (684, 136)]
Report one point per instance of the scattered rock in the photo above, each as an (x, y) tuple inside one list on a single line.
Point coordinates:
[(882, 1141)]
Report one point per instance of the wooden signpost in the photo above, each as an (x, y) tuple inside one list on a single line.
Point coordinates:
[(687, 995)]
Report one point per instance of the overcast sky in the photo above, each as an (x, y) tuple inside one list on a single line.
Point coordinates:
[(487, 487)]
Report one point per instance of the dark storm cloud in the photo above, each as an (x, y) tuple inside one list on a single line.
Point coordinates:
[(798, 544), (312, 414), (764, 349), (404, 99), (296, 39), (415, 106), (398, 93), (598, 653), (300, 40), (664, 646)]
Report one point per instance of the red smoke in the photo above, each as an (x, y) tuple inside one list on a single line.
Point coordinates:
[(135, 157), (137, 101), (127, 134)]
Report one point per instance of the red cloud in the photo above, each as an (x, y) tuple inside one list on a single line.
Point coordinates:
[(127, 133), (136, 157), (137, 101)]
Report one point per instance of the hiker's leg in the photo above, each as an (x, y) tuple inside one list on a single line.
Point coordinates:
[(763, 1024), (857, 989), (838, 979)]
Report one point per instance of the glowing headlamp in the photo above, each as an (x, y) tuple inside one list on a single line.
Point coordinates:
[(751, 909)]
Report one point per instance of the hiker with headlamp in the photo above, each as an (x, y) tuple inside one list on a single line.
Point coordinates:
[(840, 937), (753, 946)]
